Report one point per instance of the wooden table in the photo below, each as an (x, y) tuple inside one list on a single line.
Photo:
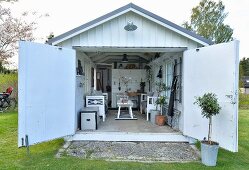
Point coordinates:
[(137, 95)]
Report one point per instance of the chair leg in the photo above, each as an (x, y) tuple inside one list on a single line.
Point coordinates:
[(118, 112)]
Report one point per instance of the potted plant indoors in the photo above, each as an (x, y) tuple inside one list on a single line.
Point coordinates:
[(160, 119), (210, 107), (142, 85)]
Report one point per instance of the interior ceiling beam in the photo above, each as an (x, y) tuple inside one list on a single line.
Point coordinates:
[(121, 53), (103, 59), (100, 57), (129, 61), (119, 58), (131, 54), (91, 55)]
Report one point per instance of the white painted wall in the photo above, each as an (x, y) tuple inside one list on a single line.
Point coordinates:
[(135, 74), (87, 64), (79, 96), (112, 33), (168, 60)]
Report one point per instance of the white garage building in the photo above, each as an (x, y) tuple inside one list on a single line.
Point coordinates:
[(52, 90)]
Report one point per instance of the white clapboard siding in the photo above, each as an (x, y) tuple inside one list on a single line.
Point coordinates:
[(112, 33)]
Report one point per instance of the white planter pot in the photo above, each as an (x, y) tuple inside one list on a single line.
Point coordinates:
[(209, 154), (153, 114)]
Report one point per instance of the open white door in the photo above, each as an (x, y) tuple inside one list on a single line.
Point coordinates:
[(212, 69), (46, 92)]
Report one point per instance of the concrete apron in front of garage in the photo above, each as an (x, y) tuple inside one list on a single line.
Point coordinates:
[(131, 151)]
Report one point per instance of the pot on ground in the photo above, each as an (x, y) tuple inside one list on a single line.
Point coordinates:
[(160, 120), (209, 153), (153, 114)]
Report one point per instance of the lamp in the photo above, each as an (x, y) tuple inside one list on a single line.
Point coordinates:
[(130, 26), (125, 59), (160, 75)]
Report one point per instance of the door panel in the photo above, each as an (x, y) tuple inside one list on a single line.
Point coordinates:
[(212, 69), (46, 80)]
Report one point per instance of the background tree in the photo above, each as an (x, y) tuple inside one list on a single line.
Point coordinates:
[(243, 70), (50, 36), (8, 1), (241, 75), (244, 65), (207, 19), (11, 31)]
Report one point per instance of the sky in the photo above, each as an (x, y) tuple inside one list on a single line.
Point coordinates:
[(66, 15)]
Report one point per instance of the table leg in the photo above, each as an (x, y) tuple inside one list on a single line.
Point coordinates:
[(118, 111), (103, 117), (130, 111)]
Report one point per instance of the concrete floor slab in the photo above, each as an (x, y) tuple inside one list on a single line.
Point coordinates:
[(138, 126)]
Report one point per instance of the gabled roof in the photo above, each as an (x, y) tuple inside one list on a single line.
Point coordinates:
[(130, 6)]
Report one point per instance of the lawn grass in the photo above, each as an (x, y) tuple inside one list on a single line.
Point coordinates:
[(244, 101), (43, 155)]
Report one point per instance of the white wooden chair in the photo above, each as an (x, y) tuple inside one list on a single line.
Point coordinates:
[(151, 100), (143, 103)]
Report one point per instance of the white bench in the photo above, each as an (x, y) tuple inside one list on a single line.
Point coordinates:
[(97, 101)]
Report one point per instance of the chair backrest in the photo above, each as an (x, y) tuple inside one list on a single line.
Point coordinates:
[(143, 97), (151, 103), (9, 90)]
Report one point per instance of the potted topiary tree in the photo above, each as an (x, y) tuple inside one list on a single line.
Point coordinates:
[(210, 107), (159, 88), (160, 119)]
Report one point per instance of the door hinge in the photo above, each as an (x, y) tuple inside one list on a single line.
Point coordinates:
[(232, 99)]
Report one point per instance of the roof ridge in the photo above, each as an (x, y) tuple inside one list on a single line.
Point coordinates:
[(125, 7)]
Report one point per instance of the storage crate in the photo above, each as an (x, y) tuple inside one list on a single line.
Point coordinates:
[(89, 120)]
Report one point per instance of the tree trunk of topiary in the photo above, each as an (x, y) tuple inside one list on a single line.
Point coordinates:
[(209, 130), (161, 110)]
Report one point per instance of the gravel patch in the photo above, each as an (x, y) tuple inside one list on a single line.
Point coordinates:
[(131, 151)]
